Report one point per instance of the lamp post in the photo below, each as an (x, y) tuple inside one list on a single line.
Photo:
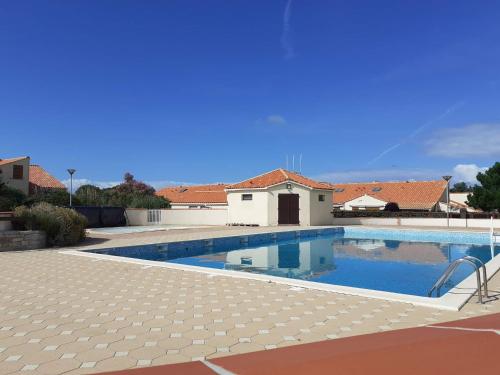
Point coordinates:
[(71, 172), (447, 179)]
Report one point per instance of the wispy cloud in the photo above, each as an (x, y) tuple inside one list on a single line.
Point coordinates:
[(286, 39), (477, 140), (271, 120), (369, 175), (417, 131), (275, 120), (460, 172)]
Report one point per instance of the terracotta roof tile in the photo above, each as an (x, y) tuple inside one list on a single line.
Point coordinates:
[(408, 195), (276, 177), (195, 194), (40, 178)]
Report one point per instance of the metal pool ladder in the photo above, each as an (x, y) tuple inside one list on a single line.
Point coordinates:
[(495, 237), (474, 262)]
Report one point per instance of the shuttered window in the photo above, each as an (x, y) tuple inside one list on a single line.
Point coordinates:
[(17, 172)]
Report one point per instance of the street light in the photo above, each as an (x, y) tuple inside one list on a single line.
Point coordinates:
[(447, 179), (71, 172)]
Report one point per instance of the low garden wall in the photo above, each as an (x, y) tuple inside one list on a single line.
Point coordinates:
[(192, 216), (417, 221), (22, 240), (5, 221)]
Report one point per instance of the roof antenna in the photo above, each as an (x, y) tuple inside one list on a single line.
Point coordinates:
[(293, 163), (300, 164)]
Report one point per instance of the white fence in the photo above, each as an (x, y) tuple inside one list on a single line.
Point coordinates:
[(192, 216), (417, 221)]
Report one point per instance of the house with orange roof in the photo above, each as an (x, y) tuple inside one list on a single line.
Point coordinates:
[(195, 196), (409, 195), (19, 174), (41, 180), (279, 197), (14, 173)]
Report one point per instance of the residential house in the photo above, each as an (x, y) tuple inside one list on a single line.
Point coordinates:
[(192, 197), (41, 180), (14, 173), (409, 195), (458, 201), (17, 173), (279, 197)]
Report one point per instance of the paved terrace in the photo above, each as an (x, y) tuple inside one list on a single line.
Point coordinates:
[(65, 314)]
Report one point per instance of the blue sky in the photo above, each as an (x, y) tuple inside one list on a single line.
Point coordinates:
[(206, 91)]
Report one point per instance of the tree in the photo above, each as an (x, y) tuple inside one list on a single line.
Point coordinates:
[(56, 197), (90, 195), (487, 195), (130, 194), (460, 187), (10, 198), (391, 207)]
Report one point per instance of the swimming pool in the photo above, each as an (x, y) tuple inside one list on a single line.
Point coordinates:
[(396, 261)]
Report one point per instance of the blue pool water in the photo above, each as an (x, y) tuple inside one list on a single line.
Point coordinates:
[(357, 258)]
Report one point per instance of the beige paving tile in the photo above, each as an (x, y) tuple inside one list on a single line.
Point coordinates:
[(110, 315)]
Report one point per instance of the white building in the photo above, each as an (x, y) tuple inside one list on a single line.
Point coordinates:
[(279, 197), (408, 195)]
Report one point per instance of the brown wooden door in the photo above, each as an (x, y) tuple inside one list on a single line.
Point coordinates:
[(288, 209)]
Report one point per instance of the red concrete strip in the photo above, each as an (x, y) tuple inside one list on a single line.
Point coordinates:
[(480, 322), (186, 368), (408, 351)]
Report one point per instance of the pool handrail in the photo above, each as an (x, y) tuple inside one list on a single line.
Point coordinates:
[(449, 271)]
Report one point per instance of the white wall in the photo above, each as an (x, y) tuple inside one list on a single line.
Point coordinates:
[(216, 216), (321, 212), (364, 201), (183, 206), (202, 216), (254, 211), (263, 208), (136, 216), (7, 173), (456, 223)]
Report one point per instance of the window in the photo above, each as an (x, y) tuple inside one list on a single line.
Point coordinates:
[(246, 261), (339, 190), (375, 189), (246, 197), (17, 172), (321, 197)]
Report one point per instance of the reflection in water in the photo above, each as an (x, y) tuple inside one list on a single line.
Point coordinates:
[(388, 265), (414, 252), (295, 260)]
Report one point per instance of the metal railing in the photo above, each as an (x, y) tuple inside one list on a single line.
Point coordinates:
[(474, 262), (495, 237)]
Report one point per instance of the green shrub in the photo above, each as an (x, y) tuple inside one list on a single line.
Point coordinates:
[(63, 226), (148, 201), (10, 198), (57, 197), (90, 195)]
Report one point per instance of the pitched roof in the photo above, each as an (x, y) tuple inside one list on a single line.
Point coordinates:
[(195, 194), (11, 160), (416, 195), (40, 178), (276, 177)]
